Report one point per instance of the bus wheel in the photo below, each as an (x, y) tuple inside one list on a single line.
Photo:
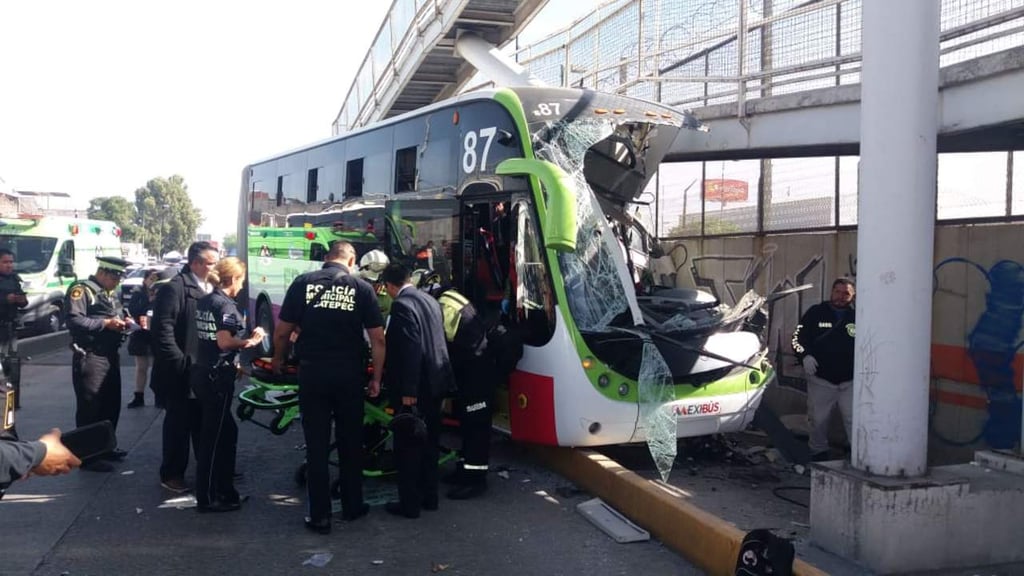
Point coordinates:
[(265, 320)]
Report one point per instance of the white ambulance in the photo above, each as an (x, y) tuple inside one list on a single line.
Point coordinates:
[(49, 253)]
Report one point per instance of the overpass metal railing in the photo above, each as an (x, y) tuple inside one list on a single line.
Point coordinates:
[(693, 53), (393, 47)]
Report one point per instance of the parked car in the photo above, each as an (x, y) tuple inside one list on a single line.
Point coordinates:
[(133, 280)]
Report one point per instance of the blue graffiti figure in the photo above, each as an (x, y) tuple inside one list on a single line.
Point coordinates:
[(992, 345)]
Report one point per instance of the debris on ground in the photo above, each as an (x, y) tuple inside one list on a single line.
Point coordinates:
[(180, 502), (439, 568), (318, 560), (569, 491)]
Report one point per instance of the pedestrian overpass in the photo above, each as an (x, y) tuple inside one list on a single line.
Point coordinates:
[(771, 78)]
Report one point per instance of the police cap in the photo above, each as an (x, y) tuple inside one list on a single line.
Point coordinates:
[(165, 275), (112, 264)]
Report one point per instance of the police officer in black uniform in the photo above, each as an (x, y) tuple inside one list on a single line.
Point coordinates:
[(97, 328), (332, 308), (12, 299), (475, 377), (219, 325)]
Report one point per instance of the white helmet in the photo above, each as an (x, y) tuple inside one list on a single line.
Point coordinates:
[(372, 264)]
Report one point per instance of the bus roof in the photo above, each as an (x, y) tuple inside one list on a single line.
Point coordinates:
[(687, 119), (467, 97)]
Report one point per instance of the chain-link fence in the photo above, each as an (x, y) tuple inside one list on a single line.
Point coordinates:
[(693, 53), (688, 53)]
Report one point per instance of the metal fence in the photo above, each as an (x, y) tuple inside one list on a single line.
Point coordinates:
[(392, 46), (692, 53)]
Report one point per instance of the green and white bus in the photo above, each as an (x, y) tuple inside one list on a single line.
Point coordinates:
[(512, 196)]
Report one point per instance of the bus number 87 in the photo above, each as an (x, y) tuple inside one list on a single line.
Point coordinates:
[(469, 146)]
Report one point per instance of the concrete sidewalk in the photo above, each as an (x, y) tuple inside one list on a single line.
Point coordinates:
[(124, 523)]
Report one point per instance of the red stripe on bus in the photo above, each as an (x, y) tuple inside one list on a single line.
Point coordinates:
[(531, 400)]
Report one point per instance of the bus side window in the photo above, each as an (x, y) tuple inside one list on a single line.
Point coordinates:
[(354, 178), (534, 295), (317, 252), (405, 169)]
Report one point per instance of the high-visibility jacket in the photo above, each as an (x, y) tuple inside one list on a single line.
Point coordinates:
[(463, 326)]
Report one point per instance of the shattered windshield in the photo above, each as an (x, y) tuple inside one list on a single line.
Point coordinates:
[(599, 291)]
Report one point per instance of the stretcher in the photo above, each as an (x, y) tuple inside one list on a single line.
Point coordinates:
[(279, 394)]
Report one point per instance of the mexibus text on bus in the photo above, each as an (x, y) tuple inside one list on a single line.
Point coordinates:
[(516, 197)]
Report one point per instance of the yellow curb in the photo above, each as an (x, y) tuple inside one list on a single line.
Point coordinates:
[(710, 543)]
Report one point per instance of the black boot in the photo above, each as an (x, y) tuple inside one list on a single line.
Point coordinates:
[(138, 401)]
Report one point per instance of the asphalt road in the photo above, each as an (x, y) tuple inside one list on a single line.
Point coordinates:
[(123, 522)]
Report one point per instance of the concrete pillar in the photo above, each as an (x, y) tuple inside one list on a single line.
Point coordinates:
[(899, 120)]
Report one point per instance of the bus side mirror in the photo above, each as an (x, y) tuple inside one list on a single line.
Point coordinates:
[(66, 268), (560, 210)]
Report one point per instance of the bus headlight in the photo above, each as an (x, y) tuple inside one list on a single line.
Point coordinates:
[(588, 362), (603, 380), (623, 389)]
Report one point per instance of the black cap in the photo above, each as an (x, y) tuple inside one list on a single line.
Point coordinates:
[(112, 264), (165, 275)]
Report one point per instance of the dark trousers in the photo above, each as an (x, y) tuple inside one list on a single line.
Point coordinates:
[(218, 435), (182, 421), (475, 379), (416, 459), (328, 392), (10, 360), (97, 382)]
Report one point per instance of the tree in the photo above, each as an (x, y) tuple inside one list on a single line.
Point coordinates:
[(166, 214), (119, 210), (230, 243)]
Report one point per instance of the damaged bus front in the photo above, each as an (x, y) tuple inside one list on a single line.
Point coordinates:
[(686, 364)]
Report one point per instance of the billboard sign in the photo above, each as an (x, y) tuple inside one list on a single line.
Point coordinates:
[(725, 190)]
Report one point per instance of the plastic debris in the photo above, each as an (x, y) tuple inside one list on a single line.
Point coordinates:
[(138, 510), (439, 568), (318, 560), (127, 472), (377, 562), (503, 474), (180, 502)]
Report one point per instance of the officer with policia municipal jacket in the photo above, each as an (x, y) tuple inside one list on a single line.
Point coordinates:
[(823, 342), (332, 308), (12, 299), (480, 360), (97, 326)]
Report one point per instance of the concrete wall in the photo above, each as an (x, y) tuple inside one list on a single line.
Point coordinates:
[(978, 312)]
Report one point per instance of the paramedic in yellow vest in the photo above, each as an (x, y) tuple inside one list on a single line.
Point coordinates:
[(475, 378)]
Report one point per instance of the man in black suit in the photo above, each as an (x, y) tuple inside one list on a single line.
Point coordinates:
[(174, 350), (417, 374)]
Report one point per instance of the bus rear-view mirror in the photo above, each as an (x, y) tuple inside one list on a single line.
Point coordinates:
[(560, 210)]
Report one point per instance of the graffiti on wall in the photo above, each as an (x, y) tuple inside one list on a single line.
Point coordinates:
[(985, 352), (991, 350)]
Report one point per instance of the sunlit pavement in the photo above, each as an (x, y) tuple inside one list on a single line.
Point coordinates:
[(125, 523)]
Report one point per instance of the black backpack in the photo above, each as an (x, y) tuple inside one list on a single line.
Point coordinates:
[(763, 553)]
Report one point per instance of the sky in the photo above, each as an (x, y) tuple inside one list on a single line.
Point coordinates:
[(97, 98)]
